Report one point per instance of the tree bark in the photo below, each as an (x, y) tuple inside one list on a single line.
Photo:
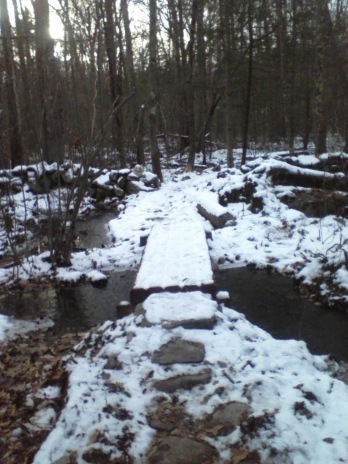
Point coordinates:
[(14, 129), (114, 80), (155, 153), (227, 23), (190, 93), (48, 86), (322, 14), (249, 86), (285, 72), (139, 136), (27, 125), (201, 82)]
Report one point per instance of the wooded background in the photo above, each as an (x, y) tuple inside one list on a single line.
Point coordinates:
[(127, 74)]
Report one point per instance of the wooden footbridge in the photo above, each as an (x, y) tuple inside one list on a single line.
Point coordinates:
[(176, 259)]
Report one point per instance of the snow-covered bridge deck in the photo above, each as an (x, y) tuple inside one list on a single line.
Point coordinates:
[(176, 258)]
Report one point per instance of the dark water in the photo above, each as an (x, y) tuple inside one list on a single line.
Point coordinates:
[(268, 300), (93, 231), (73, 308), (272, 302)]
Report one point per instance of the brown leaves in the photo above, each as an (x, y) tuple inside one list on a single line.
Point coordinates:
[(29, 363), (241, 455)]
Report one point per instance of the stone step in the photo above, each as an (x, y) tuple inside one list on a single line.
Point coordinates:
[(179, 351), (182, 450), (184, 381), (191, 310)]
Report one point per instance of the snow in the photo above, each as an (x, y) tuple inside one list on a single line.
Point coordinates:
[(176, 255), (305, 160), (5, 324), (278, 235), (11, 327), (210, 203), (275, 377), (271, 384), (179, 306)]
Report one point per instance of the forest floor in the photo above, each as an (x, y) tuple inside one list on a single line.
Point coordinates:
[(294, 414)]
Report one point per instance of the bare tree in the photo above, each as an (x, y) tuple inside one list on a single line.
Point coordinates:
[(227, 25), (321, 92), (49, 87), (153, 101), (115, 79), (14, 129)]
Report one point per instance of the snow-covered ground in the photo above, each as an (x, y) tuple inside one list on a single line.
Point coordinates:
[(302, 407), (296, 410), (277, 235)]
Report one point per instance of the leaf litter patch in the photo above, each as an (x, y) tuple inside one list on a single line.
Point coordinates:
[(33, 387)]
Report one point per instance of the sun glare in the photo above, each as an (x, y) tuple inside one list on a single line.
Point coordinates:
[(56, 26)]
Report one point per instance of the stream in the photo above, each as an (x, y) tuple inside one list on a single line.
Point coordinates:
[(268, 300), (272, 302)]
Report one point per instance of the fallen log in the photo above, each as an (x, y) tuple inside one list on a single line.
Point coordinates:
[(210, 209), (308, 178)]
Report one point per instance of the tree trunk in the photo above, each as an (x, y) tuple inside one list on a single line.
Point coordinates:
[(14, 129), (48, 86), (139, 136), (249, 86), (322, 11), (26, 109), (129, 62), (190, 93), (285, 72), (114, 80), (201, 82), (175, 10), (155, 153), (227, 23)]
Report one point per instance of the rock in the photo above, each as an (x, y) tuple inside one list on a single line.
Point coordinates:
[(185, 381), (134, 186), (151, 180), (160, 424), (223, 297), (121, 182), (98, 456), (103, 191), (118, 191), (227, 416), (5, 180), (168, 415), (36, 185), (181, 450), (68, 176), (63, 460), (132, 176), (179, 351), (123, 309), (113, 176), (204, 323), (138, 170), (113, 362), (124, 171), (20, 171)]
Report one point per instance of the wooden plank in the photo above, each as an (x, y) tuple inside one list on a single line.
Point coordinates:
[(176, 258)]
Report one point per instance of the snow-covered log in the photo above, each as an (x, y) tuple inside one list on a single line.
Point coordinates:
[(210, 209), (308, 178)]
